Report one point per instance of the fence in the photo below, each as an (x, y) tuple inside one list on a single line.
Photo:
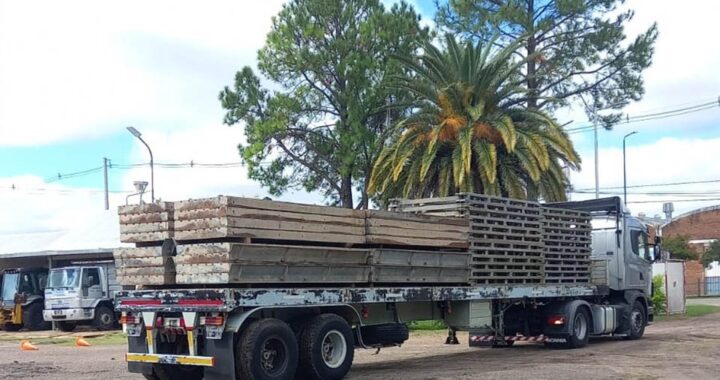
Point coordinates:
[(709, 286)]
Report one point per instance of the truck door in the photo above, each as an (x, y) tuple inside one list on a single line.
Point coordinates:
[(91, 287), (637, 259)]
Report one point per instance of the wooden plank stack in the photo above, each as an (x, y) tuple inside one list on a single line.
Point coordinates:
[(514, 241), (144, 266), (239, 240), (219, 263)]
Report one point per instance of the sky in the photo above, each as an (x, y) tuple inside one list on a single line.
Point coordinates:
[(75, 74)]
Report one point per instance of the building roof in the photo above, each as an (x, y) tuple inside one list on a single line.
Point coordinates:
[(95, 233), (693, 212)]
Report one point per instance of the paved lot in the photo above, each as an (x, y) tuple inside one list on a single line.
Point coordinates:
[(680, 349)]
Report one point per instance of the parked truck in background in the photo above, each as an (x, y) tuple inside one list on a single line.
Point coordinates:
[(275, 332), (81, 294), (21, 304)]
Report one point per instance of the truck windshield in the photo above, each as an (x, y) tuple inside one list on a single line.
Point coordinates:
[(9, 286), (64, 278)]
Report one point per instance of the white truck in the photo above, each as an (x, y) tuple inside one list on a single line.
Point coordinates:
[(272, 332), (81, 294)]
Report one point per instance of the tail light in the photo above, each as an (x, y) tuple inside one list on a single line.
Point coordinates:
[(556, 320), (159, 322), (212, 321), (130, 320)]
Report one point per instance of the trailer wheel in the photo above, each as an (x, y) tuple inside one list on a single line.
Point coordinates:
[(33, 317), (104, 318), (326, 348), (637, 321), (67, 326), (173, 372), (267, 349), (580, 329)]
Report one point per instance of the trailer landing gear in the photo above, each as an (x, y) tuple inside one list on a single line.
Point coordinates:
[(452, 337)]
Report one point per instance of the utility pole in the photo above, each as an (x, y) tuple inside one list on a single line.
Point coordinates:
[(597, 171), (625, 168), (105, 174)]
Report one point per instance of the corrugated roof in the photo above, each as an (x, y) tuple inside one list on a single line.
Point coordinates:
[(97, 231)]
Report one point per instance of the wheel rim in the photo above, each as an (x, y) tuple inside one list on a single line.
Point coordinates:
[(273, 356), (636, 319), (580, 326), (105, 319), (333, 349)]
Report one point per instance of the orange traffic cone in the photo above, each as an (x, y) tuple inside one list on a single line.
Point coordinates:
[(81, 342), (25, 345)]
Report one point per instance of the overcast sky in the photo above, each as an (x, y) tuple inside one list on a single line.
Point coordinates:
[(74, 74)]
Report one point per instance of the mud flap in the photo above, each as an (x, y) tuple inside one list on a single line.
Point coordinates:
[(223, 350), (137, 344)]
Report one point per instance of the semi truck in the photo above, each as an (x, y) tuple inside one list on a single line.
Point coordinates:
[(21, 304), (276, 332), (81, 294)]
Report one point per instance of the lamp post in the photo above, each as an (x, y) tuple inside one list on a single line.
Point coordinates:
[(625, 168), (137, 134)]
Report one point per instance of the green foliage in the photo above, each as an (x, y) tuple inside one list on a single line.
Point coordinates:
[(712, 254), (678, 247), (573, 48), (465, 134), (659, 299), (321, 130), (429, 325)]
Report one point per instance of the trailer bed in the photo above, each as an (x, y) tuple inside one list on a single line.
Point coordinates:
[(228, 299)]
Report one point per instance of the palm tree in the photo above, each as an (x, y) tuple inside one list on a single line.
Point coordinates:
[(463, 134)]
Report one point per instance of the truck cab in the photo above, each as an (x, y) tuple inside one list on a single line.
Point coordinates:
[(21, 303), (79, 295)]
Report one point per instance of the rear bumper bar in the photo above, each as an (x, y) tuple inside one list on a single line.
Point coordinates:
[(204, 361)]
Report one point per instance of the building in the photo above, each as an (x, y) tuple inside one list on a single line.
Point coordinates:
[(701, 227), (91, 239)]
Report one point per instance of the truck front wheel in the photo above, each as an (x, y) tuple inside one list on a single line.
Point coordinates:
[(326, 348), (637, 321), (267, 350), (104, 318)]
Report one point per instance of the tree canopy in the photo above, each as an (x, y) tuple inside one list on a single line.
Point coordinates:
[(466, 133), (323, 126), (679, 248), (712, 254), (577, 48)]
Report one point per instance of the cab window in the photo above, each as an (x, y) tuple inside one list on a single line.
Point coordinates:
[(639, 244)]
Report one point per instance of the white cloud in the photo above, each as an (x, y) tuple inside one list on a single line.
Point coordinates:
[(85, 68), (668, 160)]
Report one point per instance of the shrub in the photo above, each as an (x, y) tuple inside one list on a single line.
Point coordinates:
[(658, 295)]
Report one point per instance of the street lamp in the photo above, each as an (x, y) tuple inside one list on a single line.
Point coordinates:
[(625, 168), (136, 133)]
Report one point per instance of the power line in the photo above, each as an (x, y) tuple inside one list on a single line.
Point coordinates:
[(677, 200), (656, 185), (653, 116)]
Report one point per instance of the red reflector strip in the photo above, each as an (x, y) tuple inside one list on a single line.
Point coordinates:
[(140, 302), (130, 320), (191, 302)]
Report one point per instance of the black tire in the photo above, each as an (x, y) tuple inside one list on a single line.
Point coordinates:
[(67, 326), (579, 329), (33, 317), (327, 348), (267, 350), (104, 318), (384, 334), (174, 372), (638, 320), (12, 327)]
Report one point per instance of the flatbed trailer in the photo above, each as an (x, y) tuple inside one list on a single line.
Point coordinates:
[(306, 331)]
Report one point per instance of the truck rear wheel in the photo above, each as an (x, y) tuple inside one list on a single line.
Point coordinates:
[(637, 321), (267, 350), (326, 348), (104, 318), (580, 329), (12, 327)]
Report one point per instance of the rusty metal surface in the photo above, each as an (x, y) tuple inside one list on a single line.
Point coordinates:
[(230, 298)]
